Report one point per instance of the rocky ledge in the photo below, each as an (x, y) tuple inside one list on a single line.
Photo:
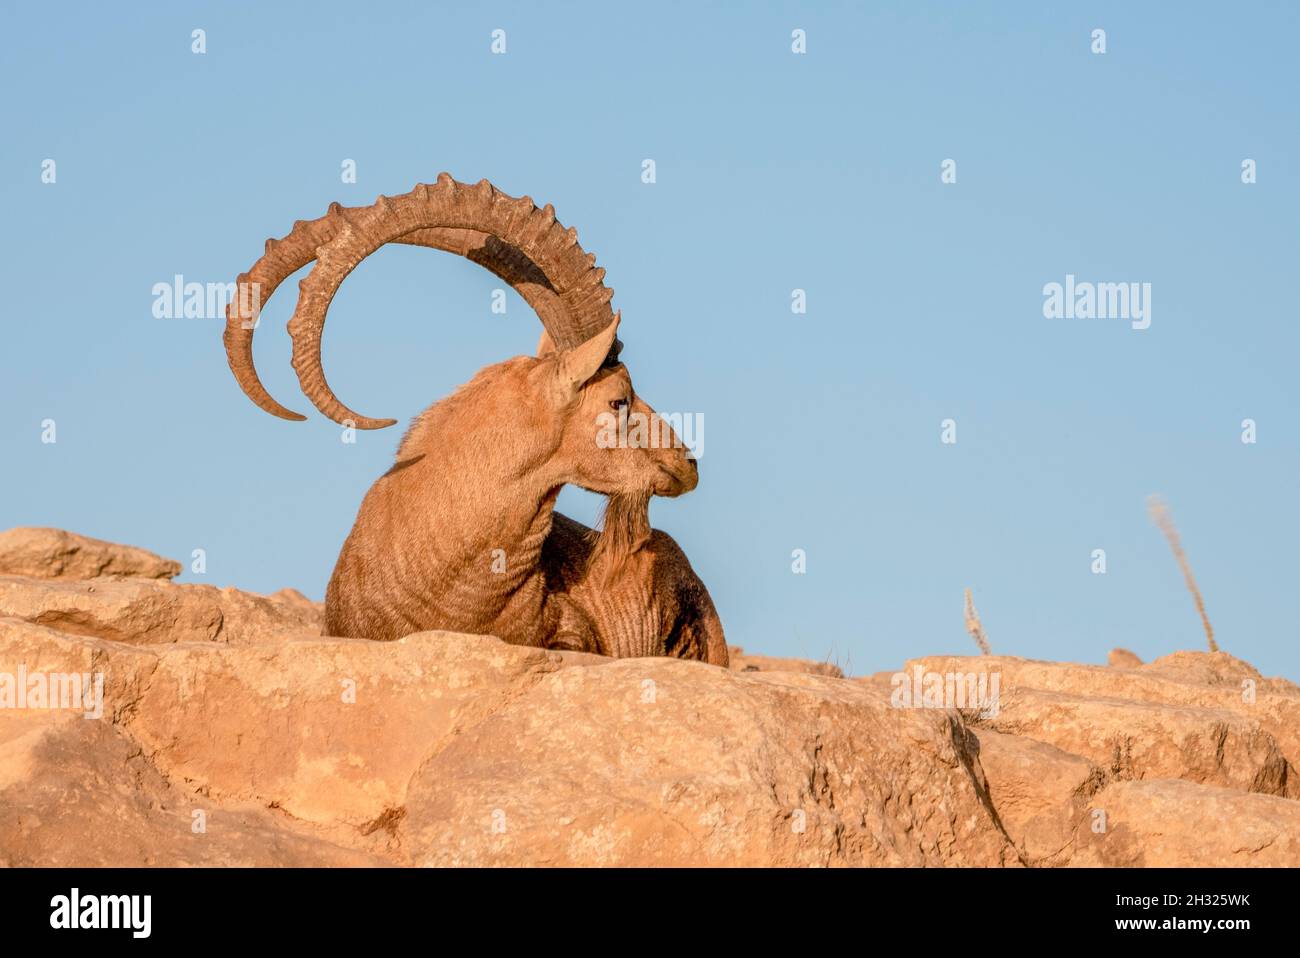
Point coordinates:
[(144, 722)]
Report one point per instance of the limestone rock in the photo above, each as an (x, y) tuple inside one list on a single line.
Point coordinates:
[(447, 749), (329, 730), (1040, 793), (741, 661), (689, 764), (392, 749), (144, 611), (56, 554), (77, 792), (1167, 823), (1122, 659), (1214, 682), (1144, 740)]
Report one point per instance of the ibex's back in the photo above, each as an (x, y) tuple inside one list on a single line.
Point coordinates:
[(441, 541)]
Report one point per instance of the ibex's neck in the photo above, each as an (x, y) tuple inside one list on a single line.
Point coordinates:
[(473, 540), (451, 537), (625, 530)]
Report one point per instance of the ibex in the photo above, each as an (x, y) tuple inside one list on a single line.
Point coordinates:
[(461, 534)]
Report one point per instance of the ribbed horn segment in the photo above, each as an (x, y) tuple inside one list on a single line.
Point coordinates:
[(566, 290)]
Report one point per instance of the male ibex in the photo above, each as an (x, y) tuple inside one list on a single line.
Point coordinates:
[(460, 534)]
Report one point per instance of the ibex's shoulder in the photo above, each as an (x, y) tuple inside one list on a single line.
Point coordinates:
[(662, 543), (668, 556), (697, 631), (564, 527)]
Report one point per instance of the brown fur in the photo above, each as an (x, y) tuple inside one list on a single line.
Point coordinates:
[(633, 585), (624, 528), (461, 532)]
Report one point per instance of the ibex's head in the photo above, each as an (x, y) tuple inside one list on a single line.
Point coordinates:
[(608, 439), (600, 435)]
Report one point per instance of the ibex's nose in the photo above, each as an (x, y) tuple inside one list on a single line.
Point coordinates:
[(692, 476), (680, 473), (692, 468)]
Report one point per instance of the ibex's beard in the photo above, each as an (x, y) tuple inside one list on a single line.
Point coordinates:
[(625, 528)]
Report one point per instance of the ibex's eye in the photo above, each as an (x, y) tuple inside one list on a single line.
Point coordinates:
[(618, 405)]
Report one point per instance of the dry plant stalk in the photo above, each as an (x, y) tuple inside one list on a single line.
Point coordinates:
[(974, 627), (1159, 513)]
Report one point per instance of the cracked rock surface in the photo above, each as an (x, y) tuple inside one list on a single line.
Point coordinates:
[(232, 733)]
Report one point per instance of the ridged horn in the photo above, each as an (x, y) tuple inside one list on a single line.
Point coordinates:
[(548, 288)]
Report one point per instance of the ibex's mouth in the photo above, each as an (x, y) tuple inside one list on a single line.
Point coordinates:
[(676, 482)]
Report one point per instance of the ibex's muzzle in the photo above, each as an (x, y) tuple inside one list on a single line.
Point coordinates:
[(681, 474)]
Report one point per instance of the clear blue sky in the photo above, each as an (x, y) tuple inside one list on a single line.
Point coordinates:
[(775, 172)]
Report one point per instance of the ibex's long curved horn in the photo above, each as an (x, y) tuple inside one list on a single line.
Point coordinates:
[(524, 246)]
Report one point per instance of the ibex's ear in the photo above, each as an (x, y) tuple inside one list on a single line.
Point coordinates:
[(545, 345), (580, 363)]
